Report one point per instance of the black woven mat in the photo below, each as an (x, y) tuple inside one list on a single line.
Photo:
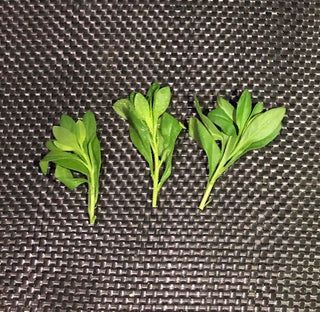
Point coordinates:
[(256, 248)]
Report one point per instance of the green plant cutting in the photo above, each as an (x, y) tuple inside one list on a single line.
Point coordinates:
[(152, 131), (227, 133), (76, 148)]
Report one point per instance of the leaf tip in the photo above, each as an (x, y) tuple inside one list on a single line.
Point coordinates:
[(44, 166)]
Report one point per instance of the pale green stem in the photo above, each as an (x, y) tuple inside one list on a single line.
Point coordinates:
[(91, 197), (208, 190), (220, 169), (157, 165), (91, 189), (155, 179)]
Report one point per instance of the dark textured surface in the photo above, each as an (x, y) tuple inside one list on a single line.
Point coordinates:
[(256, 248)]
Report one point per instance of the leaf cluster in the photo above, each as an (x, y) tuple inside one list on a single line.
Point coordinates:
[(76, 148), (152, 131), (227, 133)]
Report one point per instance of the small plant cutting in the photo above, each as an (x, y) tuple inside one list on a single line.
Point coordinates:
[(227, 133), (152, 131), (76, 148)]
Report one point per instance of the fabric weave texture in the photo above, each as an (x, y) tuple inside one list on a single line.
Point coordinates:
[(255, 248)]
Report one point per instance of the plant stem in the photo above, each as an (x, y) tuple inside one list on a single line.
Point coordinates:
[(206, 194), (155, 180), (91, 197), (210, 185)]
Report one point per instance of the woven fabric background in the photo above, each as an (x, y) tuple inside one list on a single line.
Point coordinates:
[(255, 248)]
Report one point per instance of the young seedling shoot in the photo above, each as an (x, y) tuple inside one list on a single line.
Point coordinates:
[(227, 133), (152, 131), (76, 148)]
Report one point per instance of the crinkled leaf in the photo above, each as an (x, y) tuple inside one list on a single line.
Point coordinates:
[(121, 107), (226, 107), (66, 160), (243, 111), (66, 138), (258, 108), (65, 176), (213, 130), (90, 125), (262, 126), (154, 87), (67, 122), (219, 117), (161, 101)]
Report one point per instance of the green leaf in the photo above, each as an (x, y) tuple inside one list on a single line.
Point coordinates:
[(141, 128), (258, 108), (226, 107), (155, 87), (131, 97), (262, 126), (67, 122), (161, 101), (79, 138), (95, 159), (51, 145), (255, 145), (66, 160), (44, 164), (170, 129), (231, 143), (213, 130), (160, 141), (121, 107), (266, 140), (96, 152), (202, 135), (193, 130), (168, 169), (142, 109), (80, 132), (66, 140), (219, 117), (145, 120), (144, 150), (90, 125), (65, 176), (243, 110), (257, 129), (62, 147)]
